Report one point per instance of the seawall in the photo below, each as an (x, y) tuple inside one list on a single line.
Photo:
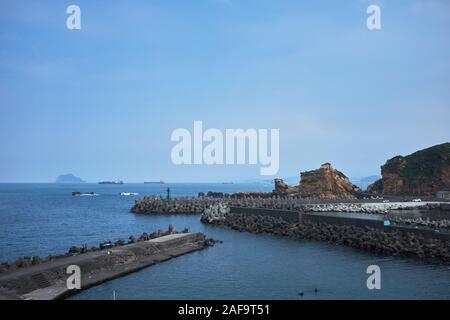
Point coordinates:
[(368, 221), (197, 205), (366, 234), (47, 281)]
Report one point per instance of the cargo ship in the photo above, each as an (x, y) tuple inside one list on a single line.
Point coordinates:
[(111, 182)]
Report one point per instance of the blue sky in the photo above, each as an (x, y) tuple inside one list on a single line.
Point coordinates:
[(101, 102)]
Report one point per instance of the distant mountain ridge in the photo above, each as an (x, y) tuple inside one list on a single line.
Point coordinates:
[(69, 178), (364, 182)]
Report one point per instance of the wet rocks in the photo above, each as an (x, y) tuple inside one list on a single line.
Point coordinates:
[(21, 262), (119, 243), (156, 234), (209, 242), (144, 237), (215, 212), (213, 194), (74, 250), (183, 205), (106, 245), (427, 222)]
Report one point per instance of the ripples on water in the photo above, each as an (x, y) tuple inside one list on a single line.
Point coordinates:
[(39, 219)]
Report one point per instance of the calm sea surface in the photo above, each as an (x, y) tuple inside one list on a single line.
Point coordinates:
[(42, 219)]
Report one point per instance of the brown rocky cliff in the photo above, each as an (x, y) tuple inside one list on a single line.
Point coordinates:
[(325, 182), (422, 173)]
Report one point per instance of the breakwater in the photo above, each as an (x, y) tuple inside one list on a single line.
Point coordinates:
[(374, 207), (28, 261), (182, 205), (393, 240), (191, 205), (197, 205), (47, 280), (428, 229)]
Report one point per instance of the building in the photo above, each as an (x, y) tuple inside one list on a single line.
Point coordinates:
[(443, 195)]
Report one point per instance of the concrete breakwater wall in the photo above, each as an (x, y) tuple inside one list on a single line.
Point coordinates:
[(184, 205), (287, 215), (377, 224), (197, 205), (321, 218), (27, 261), (360, 221), (441, 224), (393, 241), (191, 205), (48, 280)]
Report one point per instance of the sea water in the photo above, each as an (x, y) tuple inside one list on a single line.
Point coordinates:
[(42, 219)]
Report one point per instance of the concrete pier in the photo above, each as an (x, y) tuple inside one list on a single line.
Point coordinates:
[(47, 281)]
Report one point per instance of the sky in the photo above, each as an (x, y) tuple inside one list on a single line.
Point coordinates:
[(102, 102)]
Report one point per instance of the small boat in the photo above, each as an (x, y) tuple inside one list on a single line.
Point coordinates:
[(129, 193), (80, 194), (154, 182)]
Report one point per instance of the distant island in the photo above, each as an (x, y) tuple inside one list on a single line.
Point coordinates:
[(69, 178)]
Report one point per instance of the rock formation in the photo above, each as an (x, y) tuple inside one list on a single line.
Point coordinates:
[(422, 173), (325, 183), (281, 188)]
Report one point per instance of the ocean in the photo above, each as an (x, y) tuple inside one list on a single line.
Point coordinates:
[(42, 219)]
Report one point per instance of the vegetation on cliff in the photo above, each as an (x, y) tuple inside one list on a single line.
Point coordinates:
[(421, 173)]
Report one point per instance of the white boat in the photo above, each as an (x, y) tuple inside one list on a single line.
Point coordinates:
[(129, 193)]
